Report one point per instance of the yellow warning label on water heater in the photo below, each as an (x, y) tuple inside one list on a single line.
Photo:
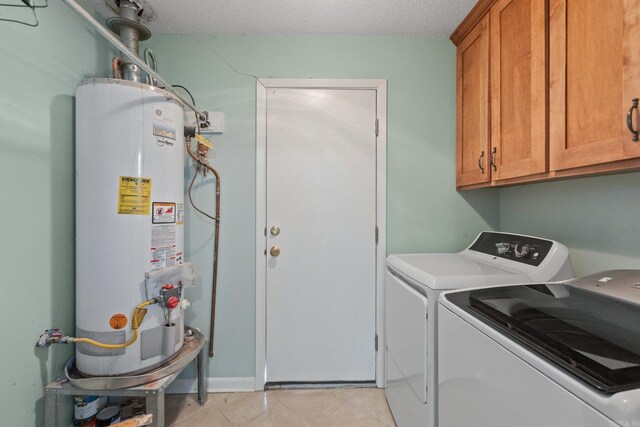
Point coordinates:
[(134, 196)]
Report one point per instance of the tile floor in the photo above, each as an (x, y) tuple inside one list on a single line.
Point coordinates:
[(338, 407)]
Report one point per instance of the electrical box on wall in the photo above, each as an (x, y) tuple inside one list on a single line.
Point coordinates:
[(216, 120)]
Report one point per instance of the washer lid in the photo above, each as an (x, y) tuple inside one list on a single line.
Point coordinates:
[(451, 271), (590, 335)]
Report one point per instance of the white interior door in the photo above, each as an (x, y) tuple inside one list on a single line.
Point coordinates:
[(321, 194)]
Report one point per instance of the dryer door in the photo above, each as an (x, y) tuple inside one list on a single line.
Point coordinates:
[(406, 334)]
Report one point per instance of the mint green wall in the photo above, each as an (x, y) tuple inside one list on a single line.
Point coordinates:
[(595, 217), (424, 211), (598, 218), (40, 70)]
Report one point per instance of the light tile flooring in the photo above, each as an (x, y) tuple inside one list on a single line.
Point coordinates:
[(337, 407)]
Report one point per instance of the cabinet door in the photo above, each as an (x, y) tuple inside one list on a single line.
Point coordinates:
[(472, 165), (518, 88), (594, 74)]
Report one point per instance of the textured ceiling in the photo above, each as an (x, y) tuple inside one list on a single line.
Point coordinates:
[(304, 17)]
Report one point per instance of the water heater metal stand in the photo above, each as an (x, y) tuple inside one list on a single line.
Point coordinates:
[(153, 392)]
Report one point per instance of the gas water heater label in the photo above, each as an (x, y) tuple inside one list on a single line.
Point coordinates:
[(164, 213), (134, 195), (163, 246), (164, 127)]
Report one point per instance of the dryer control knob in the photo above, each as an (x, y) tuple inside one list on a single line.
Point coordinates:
[(521, 251), (502, 248)]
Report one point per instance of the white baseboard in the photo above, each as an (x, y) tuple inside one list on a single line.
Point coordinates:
[(214, 385)]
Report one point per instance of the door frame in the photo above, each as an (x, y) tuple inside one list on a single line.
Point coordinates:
[(262, 85)]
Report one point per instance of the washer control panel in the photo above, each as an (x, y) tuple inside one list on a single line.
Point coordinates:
[(524, 249)]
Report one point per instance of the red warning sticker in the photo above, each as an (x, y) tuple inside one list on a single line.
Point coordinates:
[(164, 213)]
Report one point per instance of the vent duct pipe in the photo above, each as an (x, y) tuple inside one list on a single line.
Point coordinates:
[(130, 56), (132, 32), (129, 37)]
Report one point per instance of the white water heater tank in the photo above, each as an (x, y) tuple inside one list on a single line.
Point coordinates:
[(129, 221)]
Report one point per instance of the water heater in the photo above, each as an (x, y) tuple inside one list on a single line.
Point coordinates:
[(129, 224)]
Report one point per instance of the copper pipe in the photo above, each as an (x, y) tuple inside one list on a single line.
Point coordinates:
[(116, 66), (214, 280)]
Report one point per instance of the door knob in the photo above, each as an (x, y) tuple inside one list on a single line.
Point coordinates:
[(275, 230), (274, 251)]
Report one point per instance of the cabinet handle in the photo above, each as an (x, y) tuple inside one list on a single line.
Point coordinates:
[(634, 106), (481, 162), (493, 159)]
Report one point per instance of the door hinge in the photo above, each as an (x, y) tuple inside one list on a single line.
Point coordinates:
[(265, 231), (377, 234), (377, 126), (376, 342)]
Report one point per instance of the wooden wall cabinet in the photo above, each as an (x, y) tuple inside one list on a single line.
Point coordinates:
[(472, 105), (501, 95), (594, 75), (518, 88), (563, 74)]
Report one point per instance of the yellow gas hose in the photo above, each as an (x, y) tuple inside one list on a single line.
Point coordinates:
[(138, 315)]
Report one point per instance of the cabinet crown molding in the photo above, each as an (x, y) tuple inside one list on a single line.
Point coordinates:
[(477, 13)]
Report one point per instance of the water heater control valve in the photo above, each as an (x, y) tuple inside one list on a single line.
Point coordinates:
[(170, 296), (173, 302)]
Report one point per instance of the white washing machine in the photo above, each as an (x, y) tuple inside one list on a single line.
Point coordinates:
[(413, 283), (552, 355)]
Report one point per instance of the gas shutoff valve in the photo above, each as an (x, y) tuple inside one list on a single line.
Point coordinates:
[(52, 336)]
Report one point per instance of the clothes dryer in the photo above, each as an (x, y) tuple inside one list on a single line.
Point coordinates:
[(413, 283)]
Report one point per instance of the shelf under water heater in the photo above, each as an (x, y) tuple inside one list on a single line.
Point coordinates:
[(129, 225)]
